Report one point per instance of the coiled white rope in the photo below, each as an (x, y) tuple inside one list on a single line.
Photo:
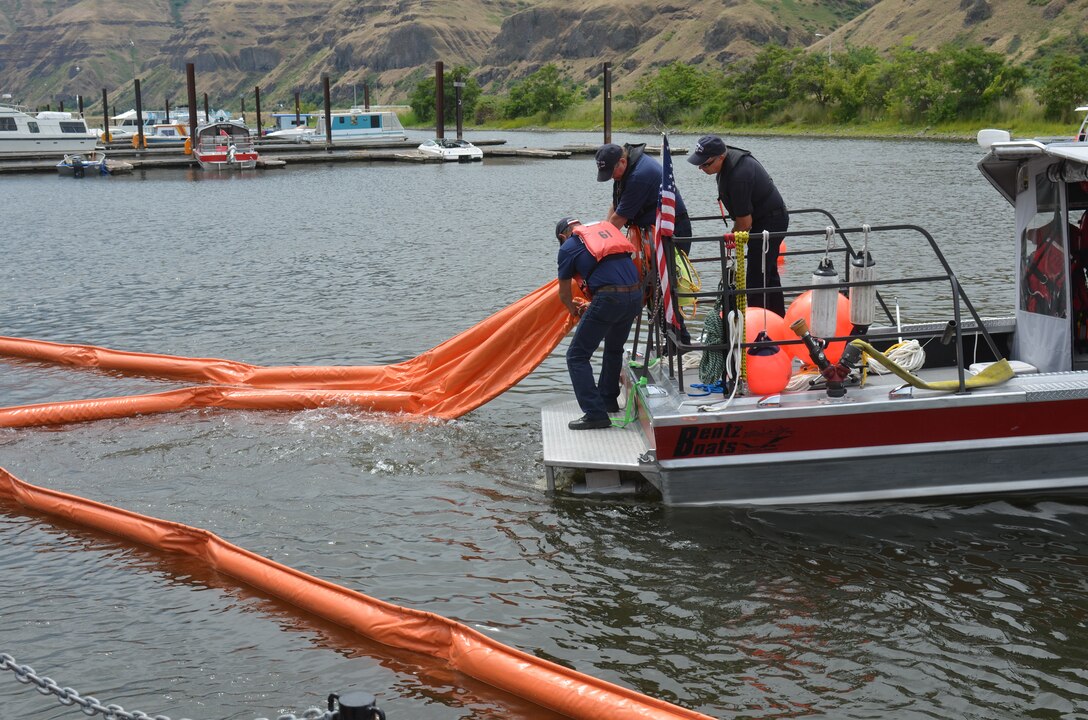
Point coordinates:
[(907, 354)]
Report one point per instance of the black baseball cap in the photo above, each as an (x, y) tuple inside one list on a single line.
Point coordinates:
[(709, 146), (563, 225), (607, 157)]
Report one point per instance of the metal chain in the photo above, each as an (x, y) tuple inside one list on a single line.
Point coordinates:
[(90, 706)]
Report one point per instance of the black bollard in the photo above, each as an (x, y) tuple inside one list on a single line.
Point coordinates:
[(355, 705)]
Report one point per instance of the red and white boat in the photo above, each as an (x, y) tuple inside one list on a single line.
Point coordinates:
[(226, 145), (953, 422)]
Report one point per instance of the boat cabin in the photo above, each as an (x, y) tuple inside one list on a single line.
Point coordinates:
[(1046, 181)]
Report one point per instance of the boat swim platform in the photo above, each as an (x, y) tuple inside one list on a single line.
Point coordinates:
[(605, 455)]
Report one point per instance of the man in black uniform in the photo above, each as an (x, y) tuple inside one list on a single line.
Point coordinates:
[(751, 199)]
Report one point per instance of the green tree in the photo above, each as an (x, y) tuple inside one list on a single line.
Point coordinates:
[(672, 90), (422, 97), (812, 79), (488, 109), (859, 84), (1065, 87), (546, 91), (758, 87), (917, 88)]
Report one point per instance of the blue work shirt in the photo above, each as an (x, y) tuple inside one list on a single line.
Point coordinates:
[(575, 259), (641, 189)]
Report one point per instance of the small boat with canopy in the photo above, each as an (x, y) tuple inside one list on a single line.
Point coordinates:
[(225, 145)]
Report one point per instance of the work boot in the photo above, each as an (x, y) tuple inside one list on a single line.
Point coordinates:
[(585, 423)]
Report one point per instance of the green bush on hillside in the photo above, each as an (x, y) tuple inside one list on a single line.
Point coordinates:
[(422, 98), (546, 91)]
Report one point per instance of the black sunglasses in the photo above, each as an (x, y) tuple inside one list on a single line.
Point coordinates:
[(705, 165)]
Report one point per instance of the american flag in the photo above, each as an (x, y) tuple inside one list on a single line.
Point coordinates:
[(664, 227)]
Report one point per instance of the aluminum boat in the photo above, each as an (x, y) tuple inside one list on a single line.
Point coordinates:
[(974, 406)]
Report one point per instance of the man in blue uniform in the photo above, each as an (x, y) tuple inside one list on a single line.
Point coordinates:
[(613, 284), (751, 199), (636, 188)]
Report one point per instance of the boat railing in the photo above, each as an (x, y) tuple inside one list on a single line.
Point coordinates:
[(665, 341), (220, 143)]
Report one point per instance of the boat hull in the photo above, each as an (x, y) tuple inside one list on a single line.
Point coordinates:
[(1036, 465), (220, 161), (1029, 435), (46, 145)]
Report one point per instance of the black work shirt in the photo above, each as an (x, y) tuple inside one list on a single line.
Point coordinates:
[(745, 188)]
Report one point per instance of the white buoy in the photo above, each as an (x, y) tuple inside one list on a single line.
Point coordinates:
[(825, 301), (863, 298)]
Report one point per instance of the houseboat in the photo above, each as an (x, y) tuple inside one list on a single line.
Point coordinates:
[(358, 126), (45, 133)]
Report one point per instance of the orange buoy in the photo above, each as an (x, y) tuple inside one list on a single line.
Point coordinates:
[(757, 320), (769, 368), (802, 308)]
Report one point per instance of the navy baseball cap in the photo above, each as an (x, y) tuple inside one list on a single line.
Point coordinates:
[(563, 225), (607, 157), (709, 146)]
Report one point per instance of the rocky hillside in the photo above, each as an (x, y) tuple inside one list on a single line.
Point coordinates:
[(52, 50)]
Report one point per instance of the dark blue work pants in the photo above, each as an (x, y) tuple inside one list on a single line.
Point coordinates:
[(609, 317)]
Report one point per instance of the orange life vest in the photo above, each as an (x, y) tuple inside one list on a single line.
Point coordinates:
[(603, 239)]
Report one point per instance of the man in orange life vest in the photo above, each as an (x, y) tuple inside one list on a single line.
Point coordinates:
[(598, 256)]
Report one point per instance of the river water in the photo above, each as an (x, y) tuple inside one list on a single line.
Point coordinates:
[(928, 610)]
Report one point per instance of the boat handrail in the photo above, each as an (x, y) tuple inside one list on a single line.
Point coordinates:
[(211, 143), (674, 348)]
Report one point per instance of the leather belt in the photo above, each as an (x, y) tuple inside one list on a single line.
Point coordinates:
[(618, 288)]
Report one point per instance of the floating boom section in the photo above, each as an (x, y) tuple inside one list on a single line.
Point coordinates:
[(547, 684), (447, 381)]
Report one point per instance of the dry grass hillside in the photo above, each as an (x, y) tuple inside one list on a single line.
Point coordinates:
[(52, 50), (1016, 28)]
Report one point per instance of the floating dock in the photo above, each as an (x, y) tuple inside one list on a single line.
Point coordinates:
[(277, 153)]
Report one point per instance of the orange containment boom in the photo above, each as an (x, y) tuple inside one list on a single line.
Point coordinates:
[(539, 681), (447, 381)]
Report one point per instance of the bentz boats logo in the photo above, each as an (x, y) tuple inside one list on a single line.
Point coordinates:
[(727, 439)]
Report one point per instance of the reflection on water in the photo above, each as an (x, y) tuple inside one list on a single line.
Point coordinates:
[(938, 610)]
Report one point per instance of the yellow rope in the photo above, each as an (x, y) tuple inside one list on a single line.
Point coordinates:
[(741, 240)]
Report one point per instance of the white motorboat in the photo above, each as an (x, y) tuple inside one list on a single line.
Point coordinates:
[(975, 406), (125, 126), (289, 126), (44, 133), (166, 135), (452, 150)]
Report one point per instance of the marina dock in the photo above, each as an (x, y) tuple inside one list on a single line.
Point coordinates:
[(278, 154), (125, 158)]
